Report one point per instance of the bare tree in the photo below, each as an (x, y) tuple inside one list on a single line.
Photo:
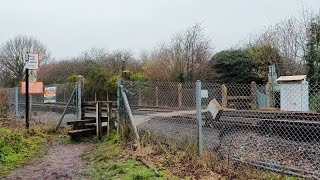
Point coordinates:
[(158, 64), (93, 54), (12, 55), (290, 38), (287, 37), (113, 61), (182, 58)]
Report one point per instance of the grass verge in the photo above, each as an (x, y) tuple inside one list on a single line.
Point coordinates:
[(19, 145), (110, 159)]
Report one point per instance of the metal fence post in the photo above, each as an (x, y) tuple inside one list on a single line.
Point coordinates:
[(79, 98), (98, 119), (16, 103), (199, 116), (128, 108), (118, 104)]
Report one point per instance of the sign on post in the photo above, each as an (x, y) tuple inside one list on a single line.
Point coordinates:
[(50, 94), (204, 94), (33, 76), (34, 87), (33, 62)]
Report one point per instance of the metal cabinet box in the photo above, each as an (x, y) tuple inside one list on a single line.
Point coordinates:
[(294, 93)]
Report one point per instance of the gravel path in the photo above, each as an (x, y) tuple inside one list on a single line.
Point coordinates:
[(62, 162)]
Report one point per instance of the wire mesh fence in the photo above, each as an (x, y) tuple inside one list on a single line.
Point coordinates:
[(43, 110), (272, 126), (164, 110)]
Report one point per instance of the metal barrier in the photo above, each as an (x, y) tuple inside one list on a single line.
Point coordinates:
[(275, 126), (65, 106)]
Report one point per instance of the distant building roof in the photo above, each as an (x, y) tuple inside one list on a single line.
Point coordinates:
[(292, 78)]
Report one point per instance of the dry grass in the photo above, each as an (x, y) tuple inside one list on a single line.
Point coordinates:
[(184, 162), (180, 163), (181, 158), (35, 128)]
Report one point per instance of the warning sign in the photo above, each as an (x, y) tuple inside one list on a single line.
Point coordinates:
[(34, 87), (32, 76), (33, 62), (50, 94)]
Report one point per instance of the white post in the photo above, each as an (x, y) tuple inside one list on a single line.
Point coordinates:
[(79, 98), (199, 116), (118, 104)]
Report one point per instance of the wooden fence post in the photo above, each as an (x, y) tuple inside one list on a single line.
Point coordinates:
[(180, 94), (139, 96), (254, 97), (270, 102), (224, 94), (157, 96), (110, 120)]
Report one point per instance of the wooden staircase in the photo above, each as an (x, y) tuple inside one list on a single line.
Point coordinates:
[(96, 118)]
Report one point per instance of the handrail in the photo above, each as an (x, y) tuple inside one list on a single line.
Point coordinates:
[(126, 102), (65, 110)]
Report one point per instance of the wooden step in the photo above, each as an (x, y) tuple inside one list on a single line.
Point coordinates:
[(94, 109), (89, 118), (104, 104), (77, 122), (81, 131), (103, 118), (91, 103), (93, 125)]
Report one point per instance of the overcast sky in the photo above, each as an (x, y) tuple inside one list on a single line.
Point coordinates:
[(68, 27)]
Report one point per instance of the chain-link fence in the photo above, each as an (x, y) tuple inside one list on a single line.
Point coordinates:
[(46, 111), (165, 110), (272, 126)]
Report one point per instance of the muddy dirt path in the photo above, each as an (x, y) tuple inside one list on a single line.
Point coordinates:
[(61, 162)]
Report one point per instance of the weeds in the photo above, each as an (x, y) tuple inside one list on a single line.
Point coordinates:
[(111, 160), (183, 161)]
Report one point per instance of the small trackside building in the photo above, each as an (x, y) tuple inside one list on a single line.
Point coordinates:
[(294, 93)]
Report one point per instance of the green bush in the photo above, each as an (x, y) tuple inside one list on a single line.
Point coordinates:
[(138, 77)]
